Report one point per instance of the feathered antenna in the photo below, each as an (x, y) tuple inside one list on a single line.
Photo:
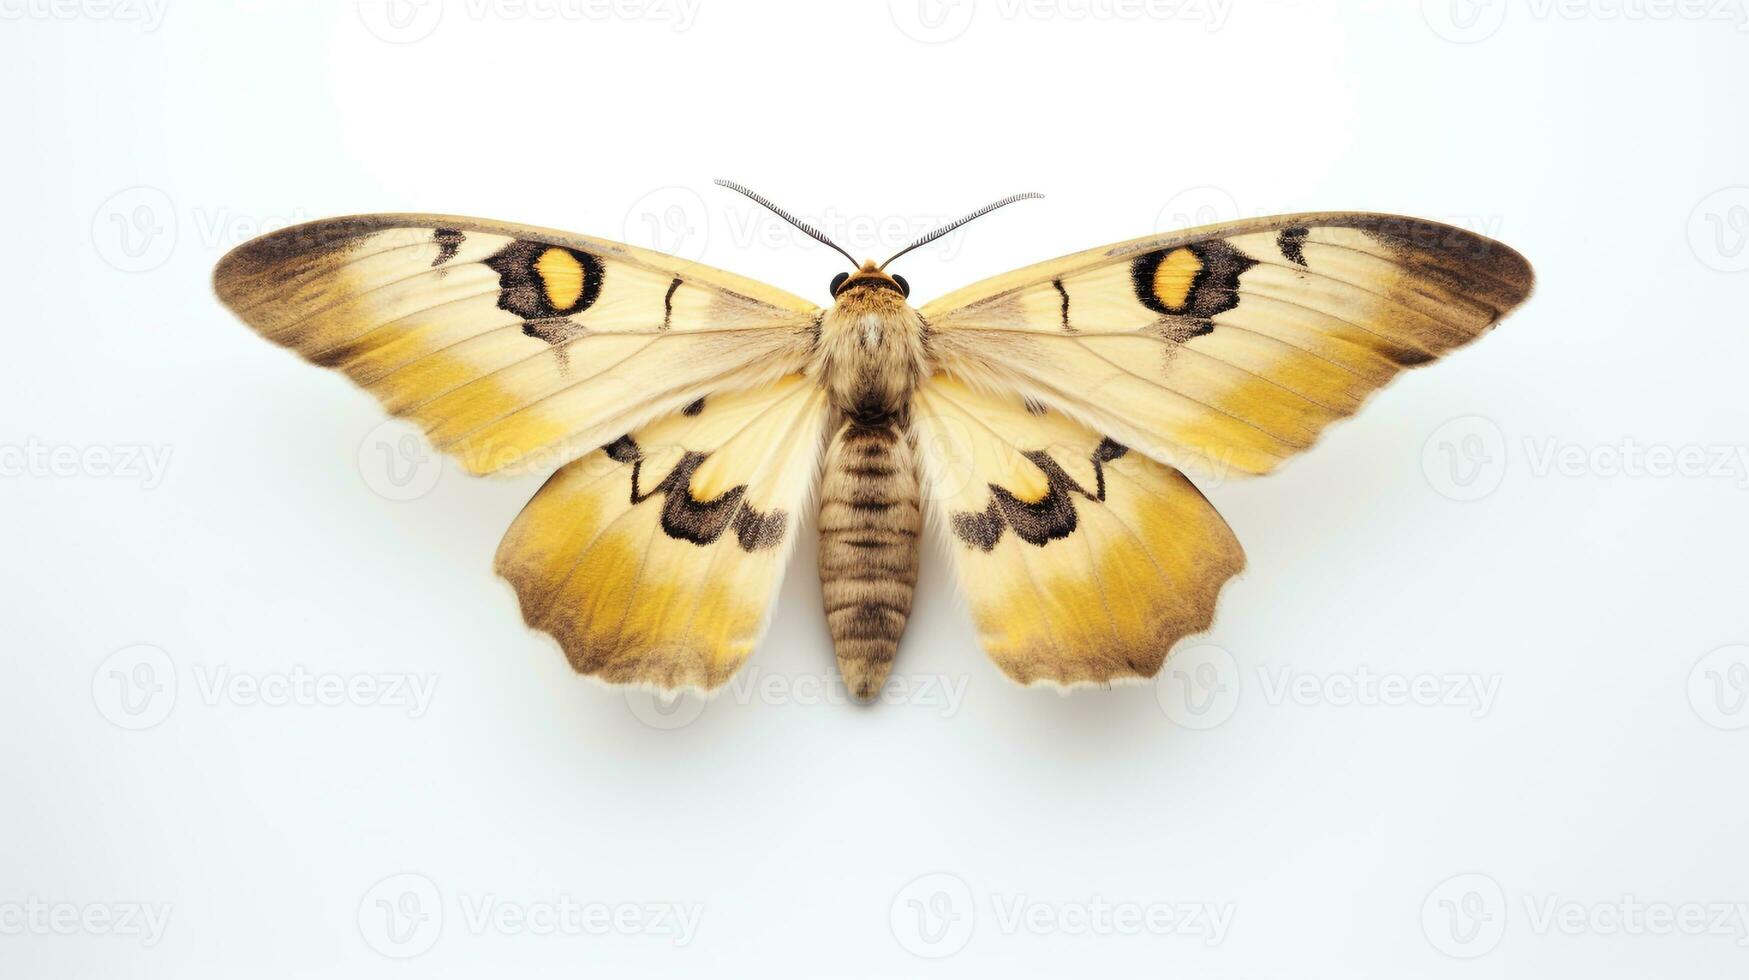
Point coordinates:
[(807, 229), (950, 226)]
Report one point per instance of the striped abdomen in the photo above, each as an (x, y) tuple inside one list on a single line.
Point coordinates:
[(869, 525)]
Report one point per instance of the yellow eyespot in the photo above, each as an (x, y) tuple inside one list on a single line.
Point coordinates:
[(561, 275), (1174, 276)]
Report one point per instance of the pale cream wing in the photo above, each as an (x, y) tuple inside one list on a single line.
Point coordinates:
[(655, 559), (1230, 347), (513, 347), (1083, 562)]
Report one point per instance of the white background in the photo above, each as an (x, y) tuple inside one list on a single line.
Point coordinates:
[(1543, 536)]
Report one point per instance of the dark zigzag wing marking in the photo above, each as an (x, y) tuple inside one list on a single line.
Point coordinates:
[(701, 522), (1050, 518)]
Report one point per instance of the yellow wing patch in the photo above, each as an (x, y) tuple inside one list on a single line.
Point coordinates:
[(654, 560), (1083, 562)]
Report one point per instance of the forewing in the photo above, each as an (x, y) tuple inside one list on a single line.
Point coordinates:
[(513, 347), (1230, 347)]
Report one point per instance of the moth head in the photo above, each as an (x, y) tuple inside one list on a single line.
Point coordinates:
[(869, 276)]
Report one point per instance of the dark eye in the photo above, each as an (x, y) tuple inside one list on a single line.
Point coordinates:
[(904, 287), (838, 280)]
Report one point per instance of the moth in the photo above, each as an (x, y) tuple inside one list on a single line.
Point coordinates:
[(1044, 419)]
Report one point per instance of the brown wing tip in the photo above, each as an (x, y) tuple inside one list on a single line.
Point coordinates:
[(258, 264), (1498, 273)]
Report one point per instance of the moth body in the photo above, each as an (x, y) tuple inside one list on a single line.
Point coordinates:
[(871, 358)]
